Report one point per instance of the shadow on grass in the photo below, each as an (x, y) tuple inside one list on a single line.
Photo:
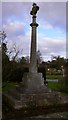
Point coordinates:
[(58, 86)]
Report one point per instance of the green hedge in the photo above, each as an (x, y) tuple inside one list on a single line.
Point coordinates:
[(54, 73)]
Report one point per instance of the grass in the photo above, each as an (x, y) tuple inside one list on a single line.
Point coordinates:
[(58, 86), (54, 77), (61, 87), (54, 85), (8, 85)]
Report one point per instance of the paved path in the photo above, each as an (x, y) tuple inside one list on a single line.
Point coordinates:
[(52, 80)]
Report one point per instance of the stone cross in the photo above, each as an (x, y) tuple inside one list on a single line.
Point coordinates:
[(34, 25)]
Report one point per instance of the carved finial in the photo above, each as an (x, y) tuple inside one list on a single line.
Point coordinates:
[(34, 4), (34, 10)]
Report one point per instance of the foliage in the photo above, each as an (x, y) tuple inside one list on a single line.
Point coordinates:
[(16, 75), (23, 60), (11, 70), (57, 63), (14, 52), (54, 73), (42, 69), (5, 63), (4, 50), (66, 73)]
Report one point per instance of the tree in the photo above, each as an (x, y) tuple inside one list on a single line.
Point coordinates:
[(39, 57), (57, 62), (66, 73), (14, 52), (4, 47), (27, 59), (11, 69), (2, 36), (23, 60), (5, 59)]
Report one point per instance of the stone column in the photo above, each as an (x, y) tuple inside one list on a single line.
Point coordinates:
[(33, 81), (34, 25)]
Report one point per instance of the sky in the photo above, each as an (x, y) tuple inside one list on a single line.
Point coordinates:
[(51, 32)]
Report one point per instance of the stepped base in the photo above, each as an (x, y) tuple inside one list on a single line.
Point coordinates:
[(33, 93), (33, 83), (33, 80), (43, 100)]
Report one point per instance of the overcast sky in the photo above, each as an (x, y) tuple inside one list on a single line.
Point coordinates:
[(51, 33)]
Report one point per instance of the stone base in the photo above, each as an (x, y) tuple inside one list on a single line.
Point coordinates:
[(33, 80), (34, 83), (44, 100), (33, 93)]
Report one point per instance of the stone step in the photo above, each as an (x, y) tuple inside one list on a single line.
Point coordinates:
[(36, 100), (15, 103), (20, 89), (15, 93)]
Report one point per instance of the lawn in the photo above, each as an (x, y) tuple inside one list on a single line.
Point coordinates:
[(52, 77), (54, 85), (58, 86), (8, 85)]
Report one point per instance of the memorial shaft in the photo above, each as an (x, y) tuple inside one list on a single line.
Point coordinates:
[(33, 56)]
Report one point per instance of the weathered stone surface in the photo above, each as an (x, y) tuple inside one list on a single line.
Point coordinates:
[(35, 113), (57, 115), (36, 100), (33, 80)]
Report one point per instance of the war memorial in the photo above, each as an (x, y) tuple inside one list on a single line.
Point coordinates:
[(31, 92)]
